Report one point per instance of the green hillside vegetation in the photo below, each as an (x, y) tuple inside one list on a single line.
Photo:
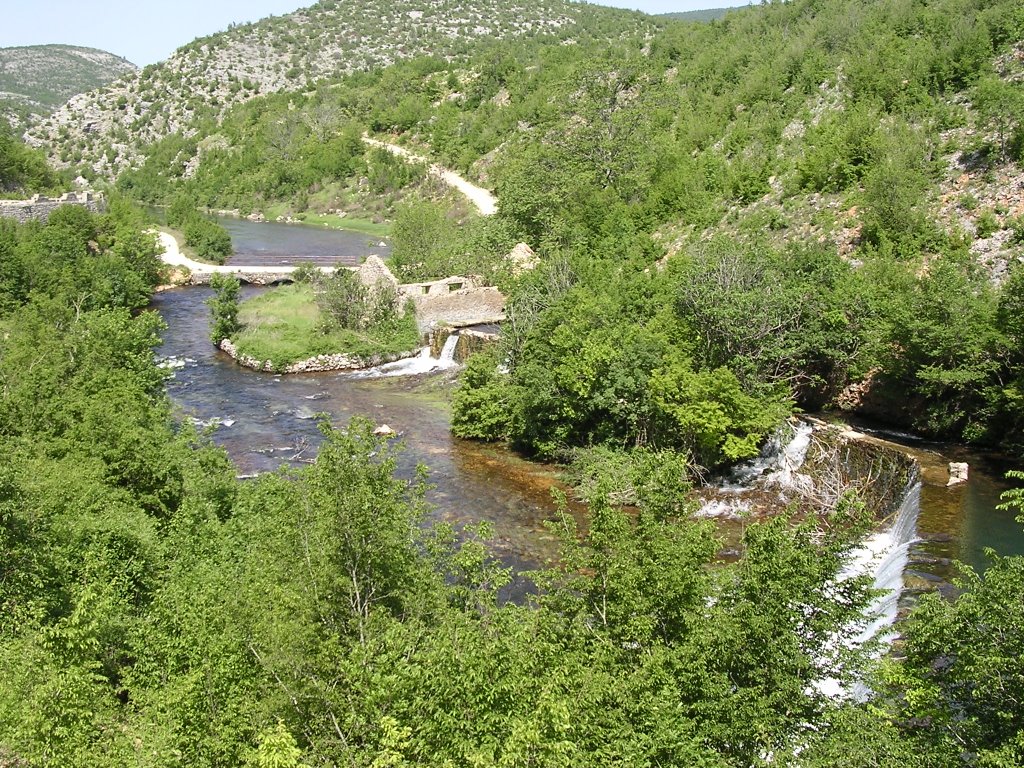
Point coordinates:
[(799, 205), (36, 79), (105, 132), (797, 163), (158, 611), (23, 170), (706, 14)]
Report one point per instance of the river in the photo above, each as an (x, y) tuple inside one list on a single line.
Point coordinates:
[(268, 420), (265, 420), (273, 244)]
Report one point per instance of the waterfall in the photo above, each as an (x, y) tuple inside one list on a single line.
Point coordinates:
[(781, 457), (889, 483), (447, 358), (883, 556), (776, 468), (411, 366)]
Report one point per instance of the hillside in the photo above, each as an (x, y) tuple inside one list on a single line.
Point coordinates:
[(36, 79), (705, 14), (105, 130), (805, 207)]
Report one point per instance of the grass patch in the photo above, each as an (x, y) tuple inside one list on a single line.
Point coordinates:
[(283, 325), (350, 223)]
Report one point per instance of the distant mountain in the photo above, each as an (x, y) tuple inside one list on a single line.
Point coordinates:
[(36, 79), (105, 131), (708, 14)]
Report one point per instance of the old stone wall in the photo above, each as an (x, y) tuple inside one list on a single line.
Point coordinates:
[(459, 308), (39, 207)]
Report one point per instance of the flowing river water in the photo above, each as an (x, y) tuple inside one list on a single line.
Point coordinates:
[(265, 420)]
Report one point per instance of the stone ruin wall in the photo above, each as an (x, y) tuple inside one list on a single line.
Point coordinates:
[(453, 301), (39, 207)]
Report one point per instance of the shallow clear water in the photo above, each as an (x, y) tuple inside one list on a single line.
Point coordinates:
[(271, 244), (959, 522), (273, 422)]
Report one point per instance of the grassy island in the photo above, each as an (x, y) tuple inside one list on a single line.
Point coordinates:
[(289, 323)]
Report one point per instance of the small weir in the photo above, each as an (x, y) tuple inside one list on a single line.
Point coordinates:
[(424, 362), (888, 481), (882, 556)]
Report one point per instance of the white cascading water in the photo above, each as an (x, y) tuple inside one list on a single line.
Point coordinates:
[(883, 556), (421, 363), (778, 463), (777, 466)]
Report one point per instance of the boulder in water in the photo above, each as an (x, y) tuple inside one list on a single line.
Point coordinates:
[(957, 473), (384, 431)]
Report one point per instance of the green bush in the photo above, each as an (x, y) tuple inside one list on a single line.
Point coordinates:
[(211, 241), (1017, 225), (986, 224), (223, 307)]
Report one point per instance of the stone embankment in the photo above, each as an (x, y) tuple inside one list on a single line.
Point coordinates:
[(39, 207), (320, 363), (454, 301)]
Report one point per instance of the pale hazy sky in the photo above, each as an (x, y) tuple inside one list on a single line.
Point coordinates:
[(144, 31)]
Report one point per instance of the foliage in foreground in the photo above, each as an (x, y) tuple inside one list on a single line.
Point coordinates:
[(158, 611)]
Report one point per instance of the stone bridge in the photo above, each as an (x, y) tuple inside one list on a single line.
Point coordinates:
[(453, 301)]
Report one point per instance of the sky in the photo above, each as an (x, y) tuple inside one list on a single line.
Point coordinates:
[(147, 31)]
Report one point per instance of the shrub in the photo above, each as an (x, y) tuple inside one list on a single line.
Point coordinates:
[(986, 224), (209, 239), (223, 307)]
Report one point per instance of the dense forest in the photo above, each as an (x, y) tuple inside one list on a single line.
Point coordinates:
[(797, 206), (157, 611)]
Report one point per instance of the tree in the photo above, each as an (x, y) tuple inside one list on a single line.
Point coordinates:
[(1000, 104), (223, 307), (422, 235), (894, 187), (342, 300)]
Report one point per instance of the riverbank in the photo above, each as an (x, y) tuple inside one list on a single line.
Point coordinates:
[(279, 213), (316, 364)]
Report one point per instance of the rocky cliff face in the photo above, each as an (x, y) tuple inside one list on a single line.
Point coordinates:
[(108, 128), (36, 79)]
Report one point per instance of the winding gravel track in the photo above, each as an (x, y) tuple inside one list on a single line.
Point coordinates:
[(484, 201)]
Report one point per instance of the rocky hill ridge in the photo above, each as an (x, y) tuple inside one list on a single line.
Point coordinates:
[(36, 79), (108, 128)]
